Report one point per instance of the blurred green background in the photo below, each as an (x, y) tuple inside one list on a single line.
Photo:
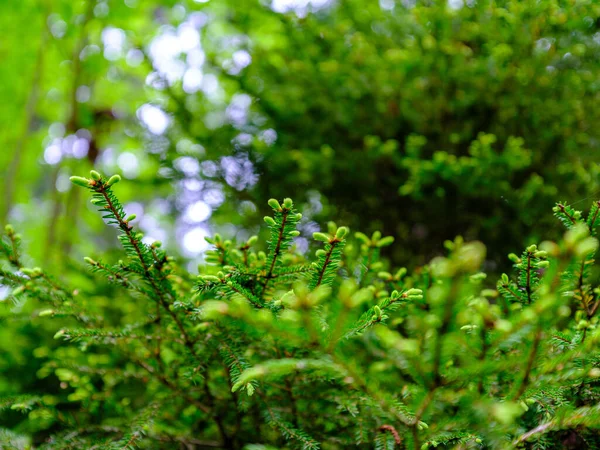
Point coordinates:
[(424, 119)]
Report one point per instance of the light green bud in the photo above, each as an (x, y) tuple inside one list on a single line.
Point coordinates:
[(273, 203), (414, 294), (341, 232), (321, 237), (478, 277), (59, 334), (113, 180), (388, 240), (80, 181), (377, 311), (18, 291), (361, 237), (209, 278)]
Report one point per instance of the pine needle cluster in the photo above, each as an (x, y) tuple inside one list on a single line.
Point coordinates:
[(273, 348)]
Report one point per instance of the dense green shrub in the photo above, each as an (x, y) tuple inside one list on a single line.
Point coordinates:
[(276, 349)]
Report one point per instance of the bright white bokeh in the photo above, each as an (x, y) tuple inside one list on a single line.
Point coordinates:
[(197, 212), (195, 58), (129, 164), (189, 37), (167, 48), (193, 241), (154, 118), (192, 80), (80, 148), (241, 59), (52, 154), (114, 42), (187, 165)]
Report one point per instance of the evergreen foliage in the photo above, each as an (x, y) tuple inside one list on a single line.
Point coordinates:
[(278, 349), (409, 122)]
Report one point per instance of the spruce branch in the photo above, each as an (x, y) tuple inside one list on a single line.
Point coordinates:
[(593, 217), (104, 197), (329, 258), (566, 214), (290, 432), (377, 313), (10, 246), (283, 229)]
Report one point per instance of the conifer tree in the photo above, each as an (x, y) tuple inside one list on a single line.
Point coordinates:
[(278, 349)]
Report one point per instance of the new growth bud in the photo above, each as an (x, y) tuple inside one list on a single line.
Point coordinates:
[(388, 240), (80, 181), (113, 180), (321, 237), (59, 334), (341, 232), (274, 204)]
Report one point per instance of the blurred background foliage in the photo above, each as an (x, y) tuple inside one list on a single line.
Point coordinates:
[(423, 119)]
